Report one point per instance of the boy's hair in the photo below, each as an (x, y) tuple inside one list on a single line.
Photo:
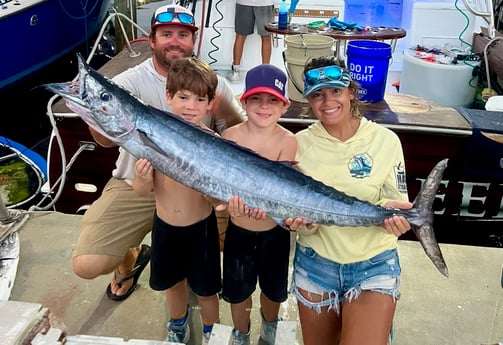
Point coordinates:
[(193, 75)]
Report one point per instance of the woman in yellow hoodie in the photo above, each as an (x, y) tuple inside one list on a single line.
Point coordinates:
[(347, 279)]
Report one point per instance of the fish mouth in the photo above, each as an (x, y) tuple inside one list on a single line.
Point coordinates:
[(68, 90), (71, 92)]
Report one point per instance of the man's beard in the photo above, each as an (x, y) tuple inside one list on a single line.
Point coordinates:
[(167, 61)]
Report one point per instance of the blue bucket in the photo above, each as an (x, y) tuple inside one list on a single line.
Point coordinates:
[(368, 63)]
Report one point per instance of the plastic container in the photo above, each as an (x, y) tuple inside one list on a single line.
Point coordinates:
[(374, 12), (447, 85), (368, 63), (494, 103), (283, 16), (300, 48)]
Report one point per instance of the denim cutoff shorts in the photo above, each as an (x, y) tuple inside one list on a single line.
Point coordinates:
[(341, 282)]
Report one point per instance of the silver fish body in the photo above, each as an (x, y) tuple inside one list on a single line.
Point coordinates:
[(219, 168)]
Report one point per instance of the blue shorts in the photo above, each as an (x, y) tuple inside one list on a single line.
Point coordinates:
[(343, 282)]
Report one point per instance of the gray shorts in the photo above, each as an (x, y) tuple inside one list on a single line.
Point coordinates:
[(248, 16), (118, 220)]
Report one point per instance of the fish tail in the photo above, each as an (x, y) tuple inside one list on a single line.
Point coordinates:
[(424, 205)]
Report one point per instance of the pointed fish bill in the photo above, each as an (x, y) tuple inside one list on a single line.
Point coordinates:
[(186, 153)]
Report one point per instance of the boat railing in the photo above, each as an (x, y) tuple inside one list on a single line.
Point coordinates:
[(487, 16), (10, 220), (49, 190)]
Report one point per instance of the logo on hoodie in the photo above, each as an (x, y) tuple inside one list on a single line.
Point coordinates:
[(360, 166), (401, 181)]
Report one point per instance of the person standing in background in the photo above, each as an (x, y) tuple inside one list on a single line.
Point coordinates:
[(251, 13)]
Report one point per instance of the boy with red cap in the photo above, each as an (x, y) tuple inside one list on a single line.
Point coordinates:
[(255, 246)]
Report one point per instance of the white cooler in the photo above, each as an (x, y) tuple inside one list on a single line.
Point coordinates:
[(447, 85)]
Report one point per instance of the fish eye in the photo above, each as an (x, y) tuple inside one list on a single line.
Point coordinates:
[(105, 96)]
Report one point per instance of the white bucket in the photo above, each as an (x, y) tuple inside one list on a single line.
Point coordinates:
[(299, 49)]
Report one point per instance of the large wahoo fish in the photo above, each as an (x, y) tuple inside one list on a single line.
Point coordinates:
[(220, 168)]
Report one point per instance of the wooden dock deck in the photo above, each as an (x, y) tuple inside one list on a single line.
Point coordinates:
[(464, 309)]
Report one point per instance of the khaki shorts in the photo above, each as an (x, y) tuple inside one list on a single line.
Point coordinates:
[(118, 220)]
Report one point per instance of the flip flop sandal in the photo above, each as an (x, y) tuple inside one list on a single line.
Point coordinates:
[(140, 264)]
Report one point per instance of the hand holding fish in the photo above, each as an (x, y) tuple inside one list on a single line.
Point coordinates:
[(143, 182), (300, 224), (397, 225), (237, 208)]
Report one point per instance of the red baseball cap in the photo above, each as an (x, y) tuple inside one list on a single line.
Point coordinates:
[(266, 78)]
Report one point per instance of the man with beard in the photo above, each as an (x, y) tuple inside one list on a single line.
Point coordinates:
[(115, 225)]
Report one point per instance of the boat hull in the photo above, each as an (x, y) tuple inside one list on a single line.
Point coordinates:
[(469, 204), (39, 32)]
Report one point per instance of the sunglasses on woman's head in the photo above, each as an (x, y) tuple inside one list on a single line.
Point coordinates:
[(168, 17), (323, 73)]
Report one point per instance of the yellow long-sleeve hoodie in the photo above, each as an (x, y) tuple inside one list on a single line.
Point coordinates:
[(369, 166)]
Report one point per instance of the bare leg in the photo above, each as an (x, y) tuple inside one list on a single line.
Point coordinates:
[(241, 315), (237, 51), (176, 298), (318, 328), (266, 48), (268, 308), (209, 308), (92, 266), (368, 319)]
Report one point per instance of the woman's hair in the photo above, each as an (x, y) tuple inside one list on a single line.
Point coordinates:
[(353, 87), (193, 75)]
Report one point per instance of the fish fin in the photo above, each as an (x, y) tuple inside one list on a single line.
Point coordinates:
[(424, 204), (426, 237), (147, 142)]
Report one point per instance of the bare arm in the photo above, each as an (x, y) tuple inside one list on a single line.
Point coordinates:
[(397, 225), (101, 140)]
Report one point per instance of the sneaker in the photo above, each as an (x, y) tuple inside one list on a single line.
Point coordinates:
[(206, 338), (239, 338), (268, 331), (177, 333), (233, 75)]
